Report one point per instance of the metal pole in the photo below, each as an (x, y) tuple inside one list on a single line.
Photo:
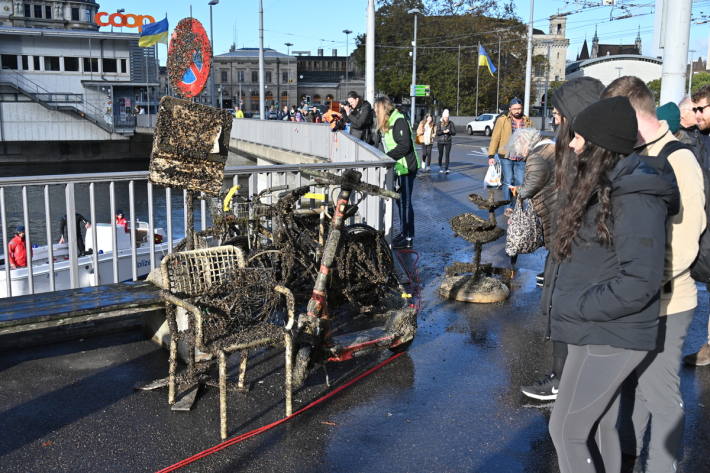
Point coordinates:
[(347, 56), (261, 61), (675, 54), (547, 84), (414, 71), (370, 53), (478, 69), (458, 81), (498, 86), (213, 94), (147, 88), (690, 71), (528, 63)]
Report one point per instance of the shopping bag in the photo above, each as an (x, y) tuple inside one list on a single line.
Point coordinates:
[(524, 233), (493, 175)]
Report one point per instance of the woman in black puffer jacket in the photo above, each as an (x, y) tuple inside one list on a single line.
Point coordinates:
[(606, 274)]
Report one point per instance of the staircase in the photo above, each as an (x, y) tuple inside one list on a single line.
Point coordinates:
[(62, 102)]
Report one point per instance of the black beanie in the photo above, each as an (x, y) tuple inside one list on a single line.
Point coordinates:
[(610, 123)]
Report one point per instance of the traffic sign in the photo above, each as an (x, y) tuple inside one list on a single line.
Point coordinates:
[(420, 91)]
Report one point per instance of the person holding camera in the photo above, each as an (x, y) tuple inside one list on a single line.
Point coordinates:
[(358, 112)]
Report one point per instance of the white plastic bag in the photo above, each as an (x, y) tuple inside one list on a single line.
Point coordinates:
[(493, 175)]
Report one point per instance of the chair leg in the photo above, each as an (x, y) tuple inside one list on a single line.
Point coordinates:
[(243, 371), (223, 395), (288, 345), (172, 368)]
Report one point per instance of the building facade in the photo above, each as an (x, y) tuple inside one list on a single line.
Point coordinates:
[(324, 79), (608, 68), (236, 75), (71, 15), (550, 51)]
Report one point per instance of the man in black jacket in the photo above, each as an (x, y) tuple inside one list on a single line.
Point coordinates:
[(358, 113)]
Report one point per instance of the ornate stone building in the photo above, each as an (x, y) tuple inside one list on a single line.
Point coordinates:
[(63, 14)]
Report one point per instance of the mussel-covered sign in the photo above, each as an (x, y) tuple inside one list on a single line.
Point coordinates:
[(190, 146)]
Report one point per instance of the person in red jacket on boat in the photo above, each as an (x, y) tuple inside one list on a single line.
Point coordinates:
[(17, 251), (121, 219)]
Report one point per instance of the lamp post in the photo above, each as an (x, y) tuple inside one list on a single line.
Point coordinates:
[(120, 10), (288, 48), (213, 93), (690, 71), (347, 56), (528, 63), (262, 104), (415, 12)]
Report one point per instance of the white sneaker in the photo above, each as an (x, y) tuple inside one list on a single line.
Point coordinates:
[(441, 171)]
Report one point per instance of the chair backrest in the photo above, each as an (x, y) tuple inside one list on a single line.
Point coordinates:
[(191, 273)]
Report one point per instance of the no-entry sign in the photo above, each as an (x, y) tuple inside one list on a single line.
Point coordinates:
[(189, 58)]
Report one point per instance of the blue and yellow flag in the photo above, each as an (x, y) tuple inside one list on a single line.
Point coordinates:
[(154, 33), (485, 60)]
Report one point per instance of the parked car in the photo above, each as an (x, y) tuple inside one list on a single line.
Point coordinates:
[(482, 123)]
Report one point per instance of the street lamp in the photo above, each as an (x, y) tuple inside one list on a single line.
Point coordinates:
[(414, 11), (120, 10), (213, 93), (347, 34), (288, 50)]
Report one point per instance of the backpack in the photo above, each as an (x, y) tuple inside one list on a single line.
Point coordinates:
[(700, 269)]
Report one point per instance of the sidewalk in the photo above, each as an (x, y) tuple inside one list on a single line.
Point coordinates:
[(450, 404)]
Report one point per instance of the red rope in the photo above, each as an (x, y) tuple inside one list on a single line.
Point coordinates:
[(261, 430)]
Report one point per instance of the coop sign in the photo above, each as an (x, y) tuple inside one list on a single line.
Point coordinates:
[(119, 19)]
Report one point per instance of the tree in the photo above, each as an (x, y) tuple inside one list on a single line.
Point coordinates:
[(442, 27), (700, 79)]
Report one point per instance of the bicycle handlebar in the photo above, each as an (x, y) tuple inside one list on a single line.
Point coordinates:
[(324, 177)]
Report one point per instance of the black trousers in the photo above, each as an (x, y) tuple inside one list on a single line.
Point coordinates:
[(427, 154), (444, 150)]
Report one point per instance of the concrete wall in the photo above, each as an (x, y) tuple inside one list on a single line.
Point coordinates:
[(29, 121)]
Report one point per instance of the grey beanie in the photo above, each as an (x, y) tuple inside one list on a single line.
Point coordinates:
[(575, 95)]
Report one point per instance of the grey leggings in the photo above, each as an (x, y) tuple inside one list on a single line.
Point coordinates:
[(589, 396)]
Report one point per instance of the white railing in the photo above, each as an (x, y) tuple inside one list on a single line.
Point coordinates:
[(39, 203)]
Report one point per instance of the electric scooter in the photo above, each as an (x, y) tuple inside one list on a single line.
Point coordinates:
[(319, 335)]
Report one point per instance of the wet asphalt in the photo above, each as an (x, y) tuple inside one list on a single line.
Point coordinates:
[(452, 403)]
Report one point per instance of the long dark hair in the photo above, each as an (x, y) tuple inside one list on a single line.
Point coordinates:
[(563, 153), (589, 175)]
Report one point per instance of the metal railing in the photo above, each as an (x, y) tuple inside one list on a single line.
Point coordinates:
[(146, 121), (56, 100), (39, 202)]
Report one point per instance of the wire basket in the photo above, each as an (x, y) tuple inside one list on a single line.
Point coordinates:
[(192, 273)]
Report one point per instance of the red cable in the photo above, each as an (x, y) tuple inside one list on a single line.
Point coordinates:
[(260, 430)]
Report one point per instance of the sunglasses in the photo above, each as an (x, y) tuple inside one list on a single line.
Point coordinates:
[(700, 109)]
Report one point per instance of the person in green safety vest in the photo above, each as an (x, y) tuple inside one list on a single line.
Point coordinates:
[(398, 142)]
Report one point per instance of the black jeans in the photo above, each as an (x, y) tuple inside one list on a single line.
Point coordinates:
[(406, 210), (427, 154), (444, 150)]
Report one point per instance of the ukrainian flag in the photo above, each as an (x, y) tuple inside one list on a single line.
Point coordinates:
[(485, 60), (154, 33)]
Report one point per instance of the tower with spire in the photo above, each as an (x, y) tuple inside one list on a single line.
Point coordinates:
[(638, 40), (595, 44)]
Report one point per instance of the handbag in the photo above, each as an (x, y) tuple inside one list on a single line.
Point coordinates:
[(419, 139), (524, 233), (493, 175)]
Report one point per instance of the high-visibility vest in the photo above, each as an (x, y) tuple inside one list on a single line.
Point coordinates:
[(400, 167)]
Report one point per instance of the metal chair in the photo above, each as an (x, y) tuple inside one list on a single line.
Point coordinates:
[(190, 274)]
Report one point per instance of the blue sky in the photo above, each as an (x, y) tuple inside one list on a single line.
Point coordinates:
[(313, 24)]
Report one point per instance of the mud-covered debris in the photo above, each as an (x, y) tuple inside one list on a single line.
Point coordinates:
[(190, 146)]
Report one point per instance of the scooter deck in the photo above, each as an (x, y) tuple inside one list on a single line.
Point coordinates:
[(354, 344)]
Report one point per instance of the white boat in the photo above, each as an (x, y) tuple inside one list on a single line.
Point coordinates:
[(40, 264)]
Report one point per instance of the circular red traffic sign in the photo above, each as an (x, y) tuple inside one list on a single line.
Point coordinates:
[(189, 58)]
